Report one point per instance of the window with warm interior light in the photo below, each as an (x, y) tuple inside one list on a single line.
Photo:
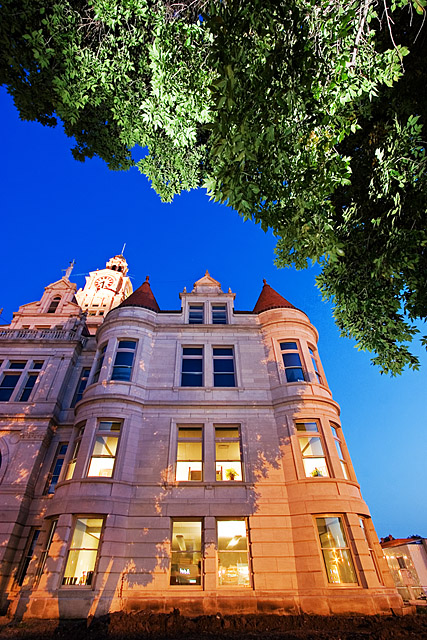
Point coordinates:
[(223, 367), (123, 363), (219, 314), (313, 455), (99, 362), (233, 556), (189, 459), (105, 449), (228, 456), (335, 432), (336, 551), (56, 468), (81, 386), (292, 361), (76, 446), (83, 552), (186, 559), (195, 314), (192, 367)]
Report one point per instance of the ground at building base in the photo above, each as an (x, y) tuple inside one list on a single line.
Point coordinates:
[(173, 626)]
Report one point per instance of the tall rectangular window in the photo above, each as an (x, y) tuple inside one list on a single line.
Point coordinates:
[(45, 551), (99, 362), (28, 387), (336, 551), (7, 385), (233, 559), (29, 552), (315, 364), (189, 459), (228, 457), (76, 446), (195, 314), (367, 534), (186, 560), (81, 386), (105, 450), (83, 552), (223, 367), (56, 468), (219, 314), (292, 361), (337, 439), (192, 367), (311, 446), (123, 363)]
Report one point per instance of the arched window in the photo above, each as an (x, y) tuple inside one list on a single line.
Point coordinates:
[(54, 304)]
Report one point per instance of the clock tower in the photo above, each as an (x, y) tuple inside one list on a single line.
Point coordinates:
[(104, 290)]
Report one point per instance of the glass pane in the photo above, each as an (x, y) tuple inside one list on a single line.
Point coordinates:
[(37, 365), (105, 446), (109, 426), (186, 556), (10, 380), (311, 446), (331, 532), (191, 380), (344, 470), (232, 535), (291, 360), (233, 568), (223, 351), (337, 444), (224, 380), (189, 471), (122, 374), (70, 470), (228, 451), (80, 567), (127, 344), (124, 358), (189, 433), (230, 470), (17, 365), (286, 346), (294, 375), (339, 566), (315, 468), (189, 364), (226, 432), (306, 426), (101, 467), (192, 351), (334, 431), (223, 365), (189, 451)]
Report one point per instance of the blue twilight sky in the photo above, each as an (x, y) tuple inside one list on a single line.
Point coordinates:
[(54, 209)]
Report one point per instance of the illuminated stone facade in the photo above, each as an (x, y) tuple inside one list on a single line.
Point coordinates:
[(190, 459)]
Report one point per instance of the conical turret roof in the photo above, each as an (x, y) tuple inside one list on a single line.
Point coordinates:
[(142, 297), (270, 299)]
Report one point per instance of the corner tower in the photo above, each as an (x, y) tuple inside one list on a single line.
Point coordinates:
[(104, 290)]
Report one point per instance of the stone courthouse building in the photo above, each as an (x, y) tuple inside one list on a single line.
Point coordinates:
[(192, 458)]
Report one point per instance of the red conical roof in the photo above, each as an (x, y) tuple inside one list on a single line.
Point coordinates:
[(270, 299), (142, 297)]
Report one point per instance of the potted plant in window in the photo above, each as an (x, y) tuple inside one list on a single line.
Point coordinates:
[(230, 474)]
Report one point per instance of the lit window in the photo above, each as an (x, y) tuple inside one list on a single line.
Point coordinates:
[(105, 450), (29, 553), (122, 369), (223, 367), (186, 561), (99, 362), (81, 386), (195, 315), (336, 552), (312, 452), (56, 469), (339, 450), (315, 364), (228, 458), (363, 525), (54, 304), (45, 551), (219, 314), (192, 367), (83, 553), (72, 462), (233, 562), (189, 459), (292, 361)]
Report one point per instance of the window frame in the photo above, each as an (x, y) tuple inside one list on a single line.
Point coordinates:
[(235, 440), (196, 585), (214, 308), (58, 458), (190, 440), (196, 313), (30, 369), (123, 350), (312, 434), (219, 551), (365, 524), (81, 386), (292, 351), (102, 434), (315, 362), (338, 440), (91, 584), (54, 304), (223, 358), (99, 361), (190, 356), (29, 554), (46, 549), (345, 533), (74, 451)]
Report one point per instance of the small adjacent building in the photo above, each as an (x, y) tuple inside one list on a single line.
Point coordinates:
[(407, 561), (190, 458)]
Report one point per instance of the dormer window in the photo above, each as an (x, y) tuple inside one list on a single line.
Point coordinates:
[(196, 315), (219, 314), (54, 304)]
